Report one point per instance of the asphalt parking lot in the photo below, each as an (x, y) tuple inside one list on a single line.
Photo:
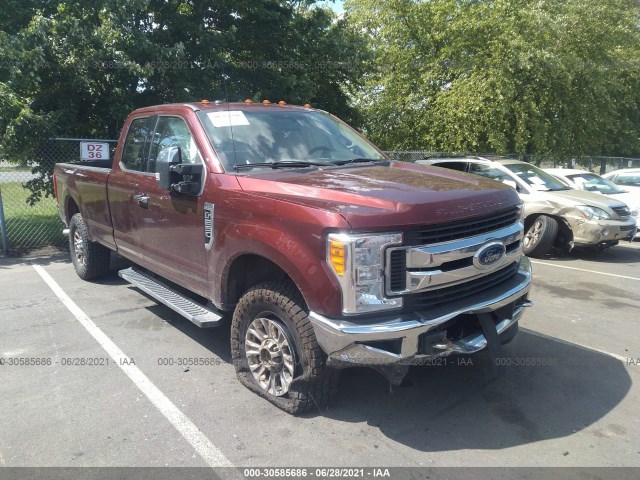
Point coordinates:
[(566, 397)]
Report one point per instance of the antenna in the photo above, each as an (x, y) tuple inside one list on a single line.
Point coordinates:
[(226, 96)]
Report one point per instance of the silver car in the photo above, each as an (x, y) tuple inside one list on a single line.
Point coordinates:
[(591, 182), (555, 214)]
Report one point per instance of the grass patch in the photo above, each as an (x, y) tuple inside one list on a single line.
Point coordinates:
[(30, 226), (15, 169)]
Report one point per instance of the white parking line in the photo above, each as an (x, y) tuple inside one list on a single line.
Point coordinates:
[(198, 440), (583, 270), (573, 344)]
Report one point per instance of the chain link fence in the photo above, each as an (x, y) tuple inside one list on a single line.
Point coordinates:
[(29, 207), (27, 200), (594, 164)]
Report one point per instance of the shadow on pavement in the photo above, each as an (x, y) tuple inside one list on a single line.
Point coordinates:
[(458, 407), (43, 256), (623, 253), (548, 389)]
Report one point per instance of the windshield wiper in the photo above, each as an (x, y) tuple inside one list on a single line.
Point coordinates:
[(358, 160), (560, 189), (280, 164)]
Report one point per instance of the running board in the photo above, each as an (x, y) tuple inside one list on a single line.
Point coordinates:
[(201, 316)]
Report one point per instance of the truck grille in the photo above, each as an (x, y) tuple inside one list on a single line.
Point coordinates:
[(462, 229), (426, 300), (623, 212)]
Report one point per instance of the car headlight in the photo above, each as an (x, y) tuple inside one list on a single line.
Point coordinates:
[(358, 263), (593, 213)]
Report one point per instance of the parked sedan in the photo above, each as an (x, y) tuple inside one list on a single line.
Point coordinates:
[(627, 178), (583, 180), (555, 214)]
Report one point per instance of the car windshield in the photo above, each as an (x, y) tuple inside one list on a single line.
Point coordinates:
[(264, 137), (536, 178), (595, 183)]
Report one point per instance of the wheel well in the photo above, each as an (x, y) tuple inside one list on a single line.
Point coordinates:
[(565, 235), (72, 208), (247, 271)]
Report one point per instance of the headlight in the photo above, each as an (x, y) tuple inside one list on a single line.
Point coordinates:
[(358, 263), (593, 213), (521, 212)]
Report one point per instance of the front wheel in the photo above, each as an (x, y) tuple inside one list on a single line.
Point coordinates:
[(540, 236), (90, 259), (275, 351)]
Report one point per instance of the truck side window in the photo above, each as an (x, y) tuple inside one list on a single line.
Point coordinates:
[(173, 131), (134, 156)]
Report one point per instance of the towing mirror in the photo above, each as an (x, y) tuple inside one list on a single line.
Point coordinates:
[(174, 176), (167, 158)]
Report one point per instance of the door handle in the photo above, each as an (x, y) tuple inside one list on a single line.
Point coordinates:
[(142, 199)]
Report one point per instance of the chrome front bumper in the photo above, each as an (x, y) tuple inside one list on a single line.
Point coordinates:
[(353, 340)]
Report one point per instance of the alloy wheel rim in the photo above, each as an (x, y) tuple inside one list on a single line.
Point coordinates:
[(270, 354), (533, 235), (78, 247)]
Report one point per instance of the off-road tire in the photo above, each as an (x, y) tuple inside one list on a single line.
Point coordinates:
[(540, 236), (90, 259), (313, 384)]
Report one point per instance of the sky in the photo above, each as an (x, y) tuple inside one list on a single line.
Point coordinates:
[(336, 5)]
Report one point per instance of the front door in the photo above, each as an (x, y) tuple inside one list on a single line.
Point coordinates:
[(172, 224)]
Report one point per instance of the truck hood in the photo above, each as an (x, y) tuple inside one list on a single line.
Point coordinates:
[(394, 195)]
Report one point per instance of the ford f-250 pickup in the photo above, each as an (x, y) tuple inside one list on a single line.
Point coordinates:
[(324, 252)]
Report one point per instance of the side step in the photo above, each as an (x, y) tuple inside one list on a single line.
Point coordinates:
[(201, 316)]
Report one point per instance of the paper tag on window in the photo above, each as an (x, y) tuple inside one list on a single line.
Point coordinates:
[(227, 118)]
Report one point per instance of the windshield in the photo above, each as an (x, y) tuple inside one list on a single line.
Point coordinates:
[(265, 136), (595, 183), (536, 178)]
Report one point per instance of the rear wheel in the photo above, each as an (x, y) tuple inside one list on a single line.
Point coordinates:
[(275, 351), (540, 236), (90, 259)]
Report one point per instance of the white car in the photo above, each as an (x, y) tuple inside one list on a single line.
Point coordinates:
[(591, 182), (627, 178)]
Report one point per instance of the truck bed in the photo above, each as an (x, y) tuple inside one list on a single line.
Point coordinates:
[(85, 183)]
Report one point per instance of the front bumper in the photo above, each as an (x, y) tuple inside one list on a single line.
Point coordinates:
[(603, 231), (362, 342)]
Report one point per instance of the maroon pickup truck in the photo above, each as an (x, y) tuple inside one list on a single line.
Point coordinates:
[(324, 253)]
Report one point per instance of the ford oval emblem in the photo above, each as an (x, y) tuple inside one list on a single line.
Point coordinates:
[(489, 255)]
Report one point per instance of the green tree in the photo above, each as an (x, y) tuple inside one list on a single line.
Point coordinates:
[(78, 68), (557, 77)]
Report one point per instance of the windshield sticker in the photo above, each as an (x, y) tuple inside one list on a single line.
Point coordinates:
[(231, 118)]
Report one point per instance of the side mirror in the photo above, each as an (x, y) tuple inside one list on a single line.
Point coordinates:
[(174, 176), (165, 176)]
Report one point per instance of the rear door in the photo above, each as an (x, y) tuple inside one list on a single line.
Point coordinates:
[(124, 186), (171, 224)]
